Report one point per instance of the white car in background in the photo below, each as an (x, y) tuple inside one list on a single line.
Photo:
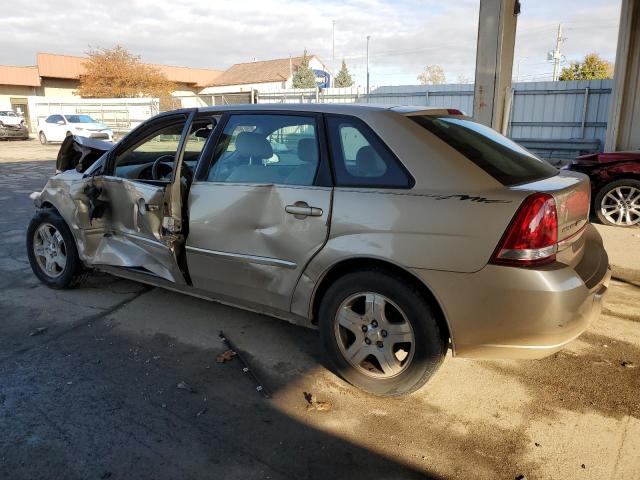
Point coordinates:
[(55, 128)]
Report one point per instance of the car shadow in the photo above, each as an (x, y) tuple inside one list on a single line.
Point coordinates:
[(128, 391)]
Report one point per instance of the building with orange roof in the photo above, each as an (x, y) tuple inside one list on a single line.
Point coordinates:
[(59, 76)]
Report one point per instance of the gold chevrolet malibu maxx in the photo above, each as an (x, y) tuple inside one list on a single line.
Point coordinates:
[(398, 232)]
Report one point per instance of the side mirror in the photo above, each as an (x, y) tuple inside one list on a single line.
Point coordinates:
[(60, 122)]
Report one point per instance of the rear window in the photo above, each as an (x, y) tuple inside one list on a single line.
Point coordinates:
[(503, 159)]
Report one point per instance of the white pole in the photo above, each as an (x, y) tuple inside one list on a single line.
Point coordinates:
[(368, 37), (333, 52)]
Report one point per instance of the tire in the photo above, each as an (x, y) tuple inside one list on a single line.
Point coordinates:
[(43, 138), (62, 274), (408, 315), (618, 203)]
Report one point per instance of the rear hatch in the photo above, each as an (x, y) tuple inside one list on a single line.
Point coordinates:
[(550, 223)]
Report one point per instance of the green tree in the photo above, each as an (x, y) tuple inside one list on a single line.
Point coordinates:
[(304, 76), (591, 68), (343, 79)]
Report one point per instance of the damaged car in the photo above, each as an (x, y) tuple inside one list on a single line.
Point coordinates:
[(12, 126), (397, 232), (615, 185)]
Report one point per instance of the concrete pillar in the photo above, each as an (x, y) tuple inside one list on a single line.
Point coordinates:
[(494, 61), (623, 127)]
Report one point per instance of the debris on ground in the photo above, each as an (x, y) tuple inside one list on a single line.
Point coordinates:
[(202, 412), (521, 477), (105, 475), (627, 364), (38, 331), (537, 444), (245, 366), (185, 386), (225, 356), (584, 466), (315, 404)]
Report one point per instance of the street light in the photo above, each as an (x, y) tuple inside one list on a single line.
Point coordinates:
[(368, 37), (333, 52), (518, 69)]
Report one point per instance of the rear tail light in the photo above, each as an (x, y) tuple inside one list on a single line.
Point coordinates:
[(454, 111), (532, 236)]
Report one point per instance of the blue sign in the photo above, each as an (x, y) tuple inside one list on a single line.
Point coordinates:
[(323, 79)]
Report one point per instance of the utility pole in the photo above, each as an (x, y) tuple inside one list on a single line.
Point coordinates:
[(556, 55), (368, 37)]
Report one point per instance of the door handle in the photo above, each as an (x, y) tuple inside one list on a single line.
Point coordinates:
[(301, 209)]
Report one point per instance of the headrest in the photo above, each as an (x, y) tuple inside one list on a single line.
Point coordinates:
[(366, 160), (308, 150), (254, 145)]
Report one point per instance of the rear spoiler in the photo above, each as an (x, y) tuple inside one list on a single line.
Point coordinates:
[(80, 153), (436, 112)]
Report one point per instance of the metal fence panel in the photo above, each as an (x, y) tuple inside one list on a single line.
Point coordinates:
[(571, 116)]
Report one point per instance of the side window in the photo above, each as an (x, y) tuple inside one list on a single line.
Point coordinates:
[(54, 118), (266, 148), (360, 159), (159, 148)]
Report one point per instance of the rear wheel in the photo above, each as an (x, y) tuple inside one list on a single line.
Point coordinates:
[(43, 138), (380, 334), (52, 251), (618, 203)]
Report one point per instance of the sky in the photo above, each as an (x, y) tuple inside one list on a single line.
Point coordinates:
[(405, 35)]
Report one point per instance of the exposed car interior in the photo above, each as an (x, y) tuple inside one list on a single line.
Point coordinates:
[(267, 149), (153, 158)]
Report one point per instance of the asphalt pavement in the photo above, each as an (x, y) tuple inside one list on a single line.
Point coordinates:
[(89, 388)]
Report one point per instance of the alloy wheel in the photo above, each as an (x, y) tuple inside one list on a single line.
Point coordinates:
[(374, 335), (621, 205), (50, 250)]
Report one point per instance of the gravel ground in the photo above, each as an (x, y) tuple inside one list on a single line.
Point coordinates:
[(95, 394)]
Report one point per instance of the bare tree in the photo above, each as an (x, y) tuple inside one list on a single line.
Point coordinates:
[(462, 78), (432, 75)]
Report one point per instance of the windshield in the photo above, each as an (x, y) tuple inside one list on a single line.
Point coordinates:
[(8, 113), (79, 119), (503, 159)]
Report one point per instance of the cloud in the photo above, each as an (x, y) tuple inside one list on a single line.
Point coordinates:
[(405, 35)]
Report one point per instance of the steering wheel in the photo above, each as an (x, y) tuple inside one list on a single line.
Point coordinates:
[(155, 169)]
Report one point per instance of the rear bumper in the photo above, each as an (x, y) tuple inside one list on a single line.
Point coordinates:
[(508, 312)]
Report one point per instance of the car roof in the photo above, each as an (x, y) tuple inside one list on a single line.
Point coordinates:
[(353, 108)]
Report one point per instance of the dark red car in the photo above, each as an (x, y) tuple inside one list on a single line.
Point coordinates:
[(615, 186)]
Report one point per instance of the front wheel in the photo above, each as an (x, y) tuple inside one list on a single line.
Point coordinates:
[(618, 203), (43, 138), (52, 251), (380, 334)]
